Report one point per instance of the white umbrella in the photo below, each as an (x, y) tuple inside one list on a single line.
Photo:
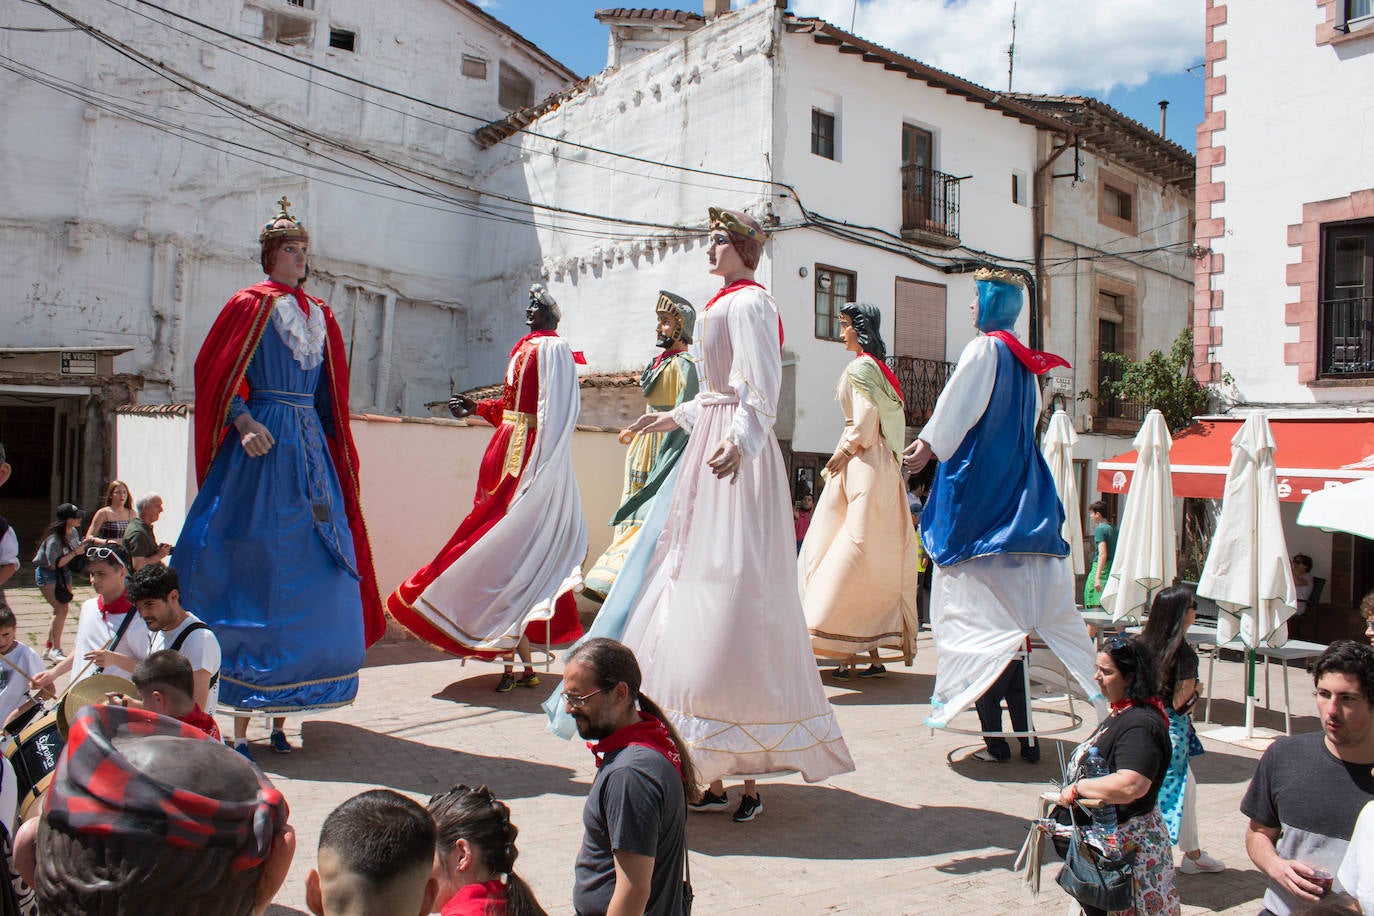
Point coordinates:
[(1247, 572), (1058, 448), (1146, 557), (1348, 507)]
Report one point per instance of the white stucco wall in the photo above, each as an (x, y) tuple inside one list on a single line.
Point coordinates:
[(1299, 127), (117, 233), (155, 454)]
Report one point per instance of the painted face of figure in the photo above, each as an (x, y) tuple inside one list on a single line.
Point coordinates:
[(290, 264), (849, 336), (538, 317), (666, 330), (723, 257)]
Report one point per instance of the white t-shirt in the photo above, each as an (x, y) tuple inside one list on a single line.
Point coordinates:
[(14, 689), (9, 548), (1356, 874), (93, 633), (201, 648)]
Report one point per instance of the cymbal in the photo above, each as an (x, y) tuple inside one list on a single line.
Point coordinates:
[(90, 690)]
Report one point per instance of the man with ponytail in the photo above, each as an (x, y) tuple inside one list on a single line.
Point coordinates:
[(635, 844)]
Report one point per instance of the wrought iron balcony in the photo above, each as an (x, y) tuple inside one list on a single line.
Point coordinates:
[(921, 381), (1347, 338), (930, 206)]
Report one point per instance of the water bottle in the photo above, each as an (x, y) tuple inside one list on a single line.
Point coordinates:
[(1104, 815)]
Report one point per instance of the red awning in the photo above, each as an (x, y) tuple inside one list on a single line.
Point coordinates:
[(1311, 455)]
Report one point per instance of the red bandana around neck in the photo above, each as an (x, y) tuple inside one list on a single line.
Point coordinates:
[(647, 732), (579, 357), (887, 374), (120, 606), (299, 293), (735, 287), (1037, 361), (1124, 703)]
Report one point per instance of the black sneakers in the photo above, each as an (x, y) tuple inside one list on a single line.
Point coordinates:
[(873, 671), (750, 807), (709, 801)]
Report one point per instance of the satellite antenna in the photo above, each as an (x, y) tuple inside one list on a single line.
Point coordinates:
[(1011, 48)]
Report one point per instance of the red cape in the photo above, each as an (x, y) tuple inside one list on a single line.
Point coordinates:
[(1037, 361), (220, 367)]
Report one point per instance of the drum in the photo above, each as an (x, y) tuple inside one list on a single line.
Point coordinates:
[(87, 691), (33, 754)]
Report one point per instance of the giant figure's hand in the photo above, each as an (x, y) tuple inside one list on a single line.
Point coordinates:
[(256, 439), (461, 406), (725, 460), (916, 456), (661, 422), (837, 462)]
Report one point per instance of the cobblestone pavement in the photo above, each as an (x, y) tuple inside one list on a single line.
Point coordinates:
[(917, 828)]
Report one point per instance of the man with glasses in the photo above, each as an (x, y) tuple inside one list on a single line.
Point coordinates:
[(109, 634), (634, 850), (1309, 789)]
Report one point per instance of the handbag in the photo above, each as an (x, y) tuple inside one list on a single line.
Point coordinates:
[(62, 590), (1093, 879)]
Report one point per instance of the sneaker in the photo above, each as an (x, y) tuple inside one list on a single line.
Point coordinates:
[(987, 756), (1031, 754), (709, 801), (279, 742), (245, 753), (58, 655), (841, 673), (873, 671), (1202, 865), (506, 684), (529, 680), (749, 808)]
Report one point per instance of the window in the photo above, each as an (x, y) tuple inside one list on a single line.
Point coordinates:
[(287, 29), (474, 67), (1018, 188), (835, 288), (1116, 196), (516, 89), (1358, 9), (822, 133), (343, 39), (1115, 334), (1346, 307)]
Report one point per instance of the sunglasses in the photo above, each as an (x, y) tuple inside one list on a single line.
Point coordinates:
[(577, 702), (104, 553)]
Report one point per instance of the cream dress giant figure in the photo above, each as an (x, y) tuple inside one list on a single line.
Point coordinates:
[(717, 624), (857, 569)]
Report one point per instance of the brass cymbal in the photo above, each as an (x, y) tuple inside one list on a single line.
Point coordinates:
[(88, 691)]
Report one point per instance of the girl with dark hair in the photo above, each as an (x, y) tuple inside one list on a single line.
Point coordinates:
[(1134, 741), (112, 519), (858, 566), (475, 850), (1166, 638), (61, 544)]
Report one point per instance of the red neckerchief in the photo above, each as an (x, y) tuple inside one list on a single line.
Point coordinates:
[(487, 892), (121, 606), (299, 293), (736, 287), (199, 718), (647, 732), (578, 356), (887, 374), (663, 357), (1152, 701), (1037, 361)]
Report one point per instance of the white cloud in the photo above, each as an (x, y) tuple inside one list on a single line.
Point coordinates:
[(1061, 45)]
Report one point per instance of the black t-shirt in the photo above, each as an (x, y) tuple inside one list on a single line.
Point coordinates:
[(636, 805), (1185, 668), (1137, 739)]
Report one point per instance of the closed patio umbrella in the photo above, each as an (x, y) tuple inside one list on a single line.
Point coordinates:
[(1057, 447), (1146, 554), (1348, 507), (1247, 572)]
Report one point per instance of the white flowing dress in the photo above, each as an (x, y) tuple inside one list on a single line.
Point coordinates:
[(717, 625)]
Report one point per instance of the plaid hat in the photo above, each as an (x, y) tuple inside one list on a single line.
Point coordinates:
[(97, 791)]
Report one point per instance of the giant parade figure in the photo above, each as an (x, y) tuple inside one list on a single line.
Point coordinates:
[(511, 569), (857, 570), (274, 555), (716, 615), (993, 518), (669, 380)]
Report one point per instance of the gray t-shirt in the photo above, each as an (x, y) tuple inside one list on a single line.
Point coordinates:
[(1313, 798), (635, 805)]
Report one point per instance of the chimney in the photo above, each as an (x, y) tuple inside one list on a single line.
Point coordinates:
[(713, 8), (1163, 115)]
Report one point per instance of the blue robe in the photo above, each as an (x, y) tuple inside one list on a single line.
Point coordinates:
[(266, 555)]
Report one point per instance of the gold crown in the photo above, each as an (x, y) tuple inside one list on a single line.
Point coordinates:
[(999, 275), (293, 230), (734, 221)]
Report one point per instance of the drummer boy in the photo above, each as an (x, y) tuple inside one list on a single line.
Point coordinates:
[(18, 664), (165, 683)]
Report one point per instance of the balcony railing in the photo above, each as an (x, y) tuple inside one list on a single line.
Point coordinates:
[(1347, 338), (1119, 408), (930, 206), (921, 381)]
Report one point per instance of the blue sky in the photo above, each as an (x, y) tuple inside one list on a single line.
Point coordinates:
[(1059, 44)]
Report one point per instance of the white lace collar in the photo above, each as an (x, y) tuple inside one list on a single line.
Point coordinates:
[(304, 336)]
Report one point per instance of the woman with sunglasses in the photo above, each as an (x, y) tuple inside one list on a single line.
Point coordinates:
[(1134, 741), (475, 850), (1166, 637), (61, 544)]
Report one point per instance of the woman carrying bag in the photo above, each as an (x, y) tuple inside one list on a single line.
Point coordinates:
[(61, 545), (1134, 741)]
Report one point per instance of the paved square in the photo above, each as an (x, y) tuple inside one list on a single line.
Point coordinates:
[(917, 828)]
